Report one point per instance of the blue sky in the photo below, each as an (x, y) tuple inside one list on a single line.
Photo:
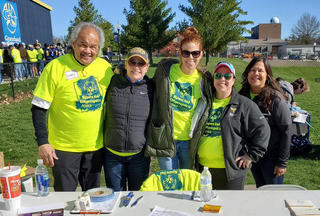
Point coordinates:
[(259, 11)]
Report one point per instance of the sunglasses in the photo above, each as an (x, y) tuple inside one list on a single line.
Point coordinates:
[(227, 76), (139, 64), (186, 53)]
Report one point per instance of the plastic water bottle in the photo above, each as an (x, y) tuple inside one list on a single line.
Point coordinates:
[(42, 179), (205, 185)]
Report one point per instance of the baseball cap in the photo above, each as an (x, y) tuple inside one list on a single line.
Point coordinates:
[(139, 52), (225, 64)]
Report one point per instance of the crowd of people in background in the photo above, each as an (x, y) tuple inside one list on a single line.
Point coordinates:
[(21, 61)]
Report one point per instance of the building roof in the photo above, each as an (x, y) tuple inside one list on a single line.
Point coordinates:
[(257, 42), (42, 4)]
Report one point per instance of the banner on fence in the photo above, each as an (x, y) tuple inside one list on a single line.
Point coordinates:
[(10, 22)]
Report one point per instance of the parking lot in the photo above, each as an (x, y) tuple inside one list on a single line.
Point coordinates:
[(290, 62)]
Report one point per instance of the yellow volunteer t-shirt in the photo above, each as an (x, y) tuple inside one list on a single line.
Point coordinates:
[(32, 55), (15, 53), (210, 150), (40, 54), (1, 55), (184, 96), (252, 95), (76, 94)]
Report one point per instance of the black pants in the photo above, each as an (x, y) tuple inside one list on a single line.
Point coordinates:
[(72, 167), (220, 181)]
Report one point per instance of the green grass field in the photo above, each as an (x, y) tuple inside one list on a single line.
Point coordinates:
[(19, 146)]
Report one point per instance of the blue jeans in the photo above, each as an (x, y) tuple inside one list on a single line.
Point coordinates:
[(18, 71), (181, 160), (119, 169), (40, 66), (263, 172), (26, 69)]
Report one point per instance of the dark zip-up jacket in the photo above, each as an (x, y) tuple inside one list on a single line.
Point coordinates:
[(243, 129), (279, 119), (128, 109), (160, 140)]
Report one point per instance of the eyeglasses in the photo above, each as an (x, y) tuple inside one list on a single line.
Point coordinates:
[(227, 76), (186, 53), (134, 63)]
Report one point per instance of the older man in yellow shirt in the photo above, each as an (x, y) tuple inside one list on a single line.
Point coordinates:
[(72, 88)]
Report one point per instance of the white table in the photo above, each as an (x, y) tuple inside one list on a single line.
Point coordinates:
[(234, 203)]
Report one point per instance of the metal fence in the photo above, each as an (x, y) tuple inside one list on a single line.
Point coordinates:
[(12, 73)]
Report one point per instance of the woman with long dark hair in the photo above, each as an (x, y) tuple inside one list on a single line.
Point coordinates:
[(259, 85)]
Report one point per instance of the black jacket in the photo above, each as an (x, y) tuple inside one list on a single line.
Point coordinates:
[(128, 107), (243, 129), (279, 119)]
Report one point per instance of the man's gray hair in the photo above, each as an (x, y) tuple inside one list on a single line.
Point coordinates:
[(77, 29)]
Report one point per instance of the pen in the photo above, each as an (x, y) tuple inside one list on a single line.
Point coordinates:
[(90, 212), (128, 199), (136, 201)]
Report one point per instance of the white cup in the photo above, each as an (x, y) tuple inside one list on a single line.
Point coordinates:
[(11, 187)]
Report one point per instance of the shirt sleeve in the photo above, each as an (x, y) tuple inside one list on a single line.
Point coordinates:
[(107, 77), (282, 118), (46, 85), (39, 123)]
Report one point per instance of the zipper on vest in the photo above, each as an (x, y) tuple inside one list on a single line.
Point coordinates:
[(127, 116)]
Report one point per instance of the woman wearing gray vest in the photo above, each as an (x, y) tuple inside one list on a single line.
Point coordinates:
[(128, 107)]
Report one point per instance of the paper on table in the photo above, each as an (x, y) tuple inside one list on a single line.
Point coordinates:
[(106, 207), (299, 203), (302, 208), (301, 118), (41, 207), (159, 211), (304, 211)]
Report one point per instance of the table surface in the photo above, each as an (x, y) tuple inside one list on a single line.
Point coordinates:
[(233, 203)]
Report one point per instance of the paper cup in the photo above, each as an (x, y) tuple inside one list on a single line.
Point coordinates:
[(11, 187)]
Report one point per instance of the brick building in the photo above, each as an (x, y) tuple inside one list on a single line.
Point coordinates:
[(265, 31)]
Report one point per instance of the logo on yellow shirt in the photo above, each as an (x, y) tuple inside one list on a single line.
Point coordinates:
[(181, 99), (88, 94), (213, 124)]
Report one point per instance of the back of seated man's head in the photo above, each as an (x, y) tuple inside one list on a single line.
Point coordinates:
[(300, 86)]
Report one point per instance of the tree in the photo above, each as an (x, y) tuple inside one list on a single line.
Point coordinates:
[(61, 39), (86, 12), (181, 26), (217, 22), (148, 21), (306, 31)]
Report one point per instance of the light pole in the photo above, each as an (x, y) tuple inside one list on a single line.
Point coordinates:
[(118, 28)]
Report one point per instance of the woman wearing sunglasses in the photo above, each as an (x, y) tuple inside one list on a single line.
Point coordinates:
[(259, 85), (181, 96), (128, 108), (234, 133)]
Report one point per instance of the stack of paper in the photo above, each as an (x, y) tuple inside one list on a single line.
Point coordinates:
[(302, 208)]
